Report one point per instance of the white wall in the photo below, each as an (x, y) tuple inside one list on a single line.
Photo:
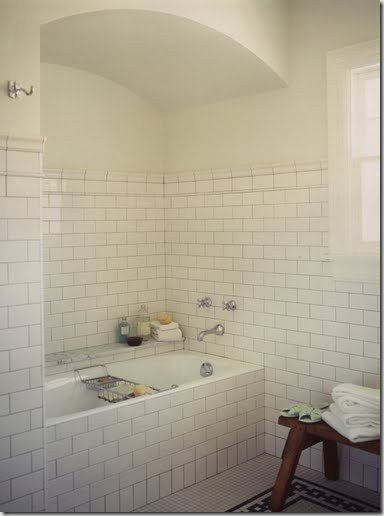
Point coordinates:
[(93, 123), (282, 125), (259, 25), (248, 22), (19, 61)]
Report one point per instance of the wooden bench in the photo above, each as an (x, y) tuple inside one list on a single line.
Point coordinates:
[(302, 436)]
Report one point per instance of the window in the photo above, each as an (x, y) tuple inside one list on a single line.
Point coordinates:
[(354, 161)]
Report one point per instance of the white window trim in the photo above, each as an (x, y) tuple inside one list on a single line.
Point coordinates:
[(347, 262)]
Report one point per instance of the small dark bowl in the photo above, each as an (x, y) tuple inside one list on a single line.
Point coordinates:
[(134, 341)]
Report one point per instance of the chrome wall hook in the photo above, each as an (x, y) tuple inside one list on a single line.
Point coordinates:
[(14, 90)]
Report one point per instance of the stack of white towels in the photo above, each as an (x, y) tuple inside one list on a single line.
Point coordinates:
[(166, 332), (355, 412)]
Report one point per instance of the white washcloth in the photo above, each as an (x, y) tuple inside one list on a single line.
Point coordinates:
[(356, 399), (164, 327), (356, 420), (167, 336), (356, 435)]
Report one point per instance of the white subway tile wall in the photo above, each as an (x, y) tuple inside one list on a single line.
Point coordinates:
[(125, 457), (21, 401), (103, 254), (265, 245), (259, 236)]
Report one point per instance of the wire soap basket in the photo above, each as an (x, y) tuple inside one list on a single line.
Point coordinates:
[(109, 388)]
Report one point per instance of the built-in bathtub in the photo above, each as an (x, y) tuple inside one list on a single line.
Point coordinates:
[(119, 456)]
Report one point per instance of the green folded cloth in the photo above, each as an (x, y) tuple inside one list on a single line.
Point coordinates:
[(310, 415), (293, 410), (306, 412)]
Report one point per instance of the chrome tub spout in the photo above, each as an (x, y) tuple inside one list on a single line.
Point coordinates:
[(217, 330)]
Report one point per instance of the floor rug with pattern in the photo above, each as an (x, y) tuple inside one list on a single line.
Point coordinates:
[(306, 496)]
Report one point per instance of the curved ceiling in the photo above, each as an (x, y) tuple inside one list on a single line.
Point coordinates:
[(170, 61)]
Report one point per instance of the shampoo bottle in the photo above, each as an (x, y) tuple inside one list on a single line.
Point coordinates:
[(123, 330), (143, 323)]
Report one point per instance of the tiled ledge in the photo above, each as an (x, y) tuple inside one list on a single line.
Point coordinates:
[(69, 360)]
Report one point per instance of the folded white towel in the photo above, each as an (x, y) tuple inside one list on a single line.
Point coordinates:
[(352, 404), (348, 406), (366, 393), (169, 336), (356, 435), (356, 420), (164, 327), (351, 398)]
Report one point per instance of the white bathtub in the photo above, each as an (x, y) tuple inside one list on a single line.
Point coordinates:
[(124, 455), (66, 397)]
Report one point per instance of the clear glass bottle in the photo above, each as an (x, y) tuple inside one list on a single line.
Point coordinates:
[(123, 330), (143, 328)]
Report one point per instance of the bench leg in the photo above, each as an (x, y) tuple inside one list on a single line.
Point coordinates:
[(290, 458), (331, 465)]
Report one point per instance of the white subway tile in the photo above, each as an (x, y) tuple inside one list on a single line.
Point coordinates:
[(84, 441), (112, 502), (23, 186), (26, 357), (365, 302), (104, 487), (126, 499), (86, 476), (101, 419), (25, 400), (14, 251), (15, 466), (139, 494), (102, 453), (323, 371), (73, 498), (27, 484), (72, 463), (143, 423), (131, 443), (262, 181), (60, 485)]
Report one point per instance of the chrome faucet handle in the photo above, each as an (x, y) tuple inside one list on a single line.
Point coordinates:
[(206, 302), (230, 305)]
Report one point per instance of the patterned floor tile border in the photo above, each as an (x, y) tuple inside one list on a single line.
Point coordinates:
[(306, 496)]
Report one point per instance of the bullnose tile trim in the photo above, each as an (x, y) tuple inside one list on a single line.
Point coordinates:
[(22, 143)]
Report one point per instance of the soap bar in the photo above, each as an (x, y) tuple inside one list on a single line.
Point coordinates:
[(164, 327), (140, 390), (165, 318)]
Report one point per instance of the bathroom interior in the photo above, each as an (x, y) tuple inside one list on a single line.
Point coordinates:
[(215, 166)]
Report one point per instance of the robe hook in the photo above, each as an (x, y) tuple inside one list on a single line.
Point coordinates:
[(14, 90)]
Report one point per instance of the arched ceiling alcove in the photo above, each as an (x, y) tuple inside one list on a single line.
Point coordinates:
[(170, 61)]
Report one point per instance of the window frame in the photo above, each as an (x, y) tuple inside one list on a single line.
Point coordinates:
[(349, 261)]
